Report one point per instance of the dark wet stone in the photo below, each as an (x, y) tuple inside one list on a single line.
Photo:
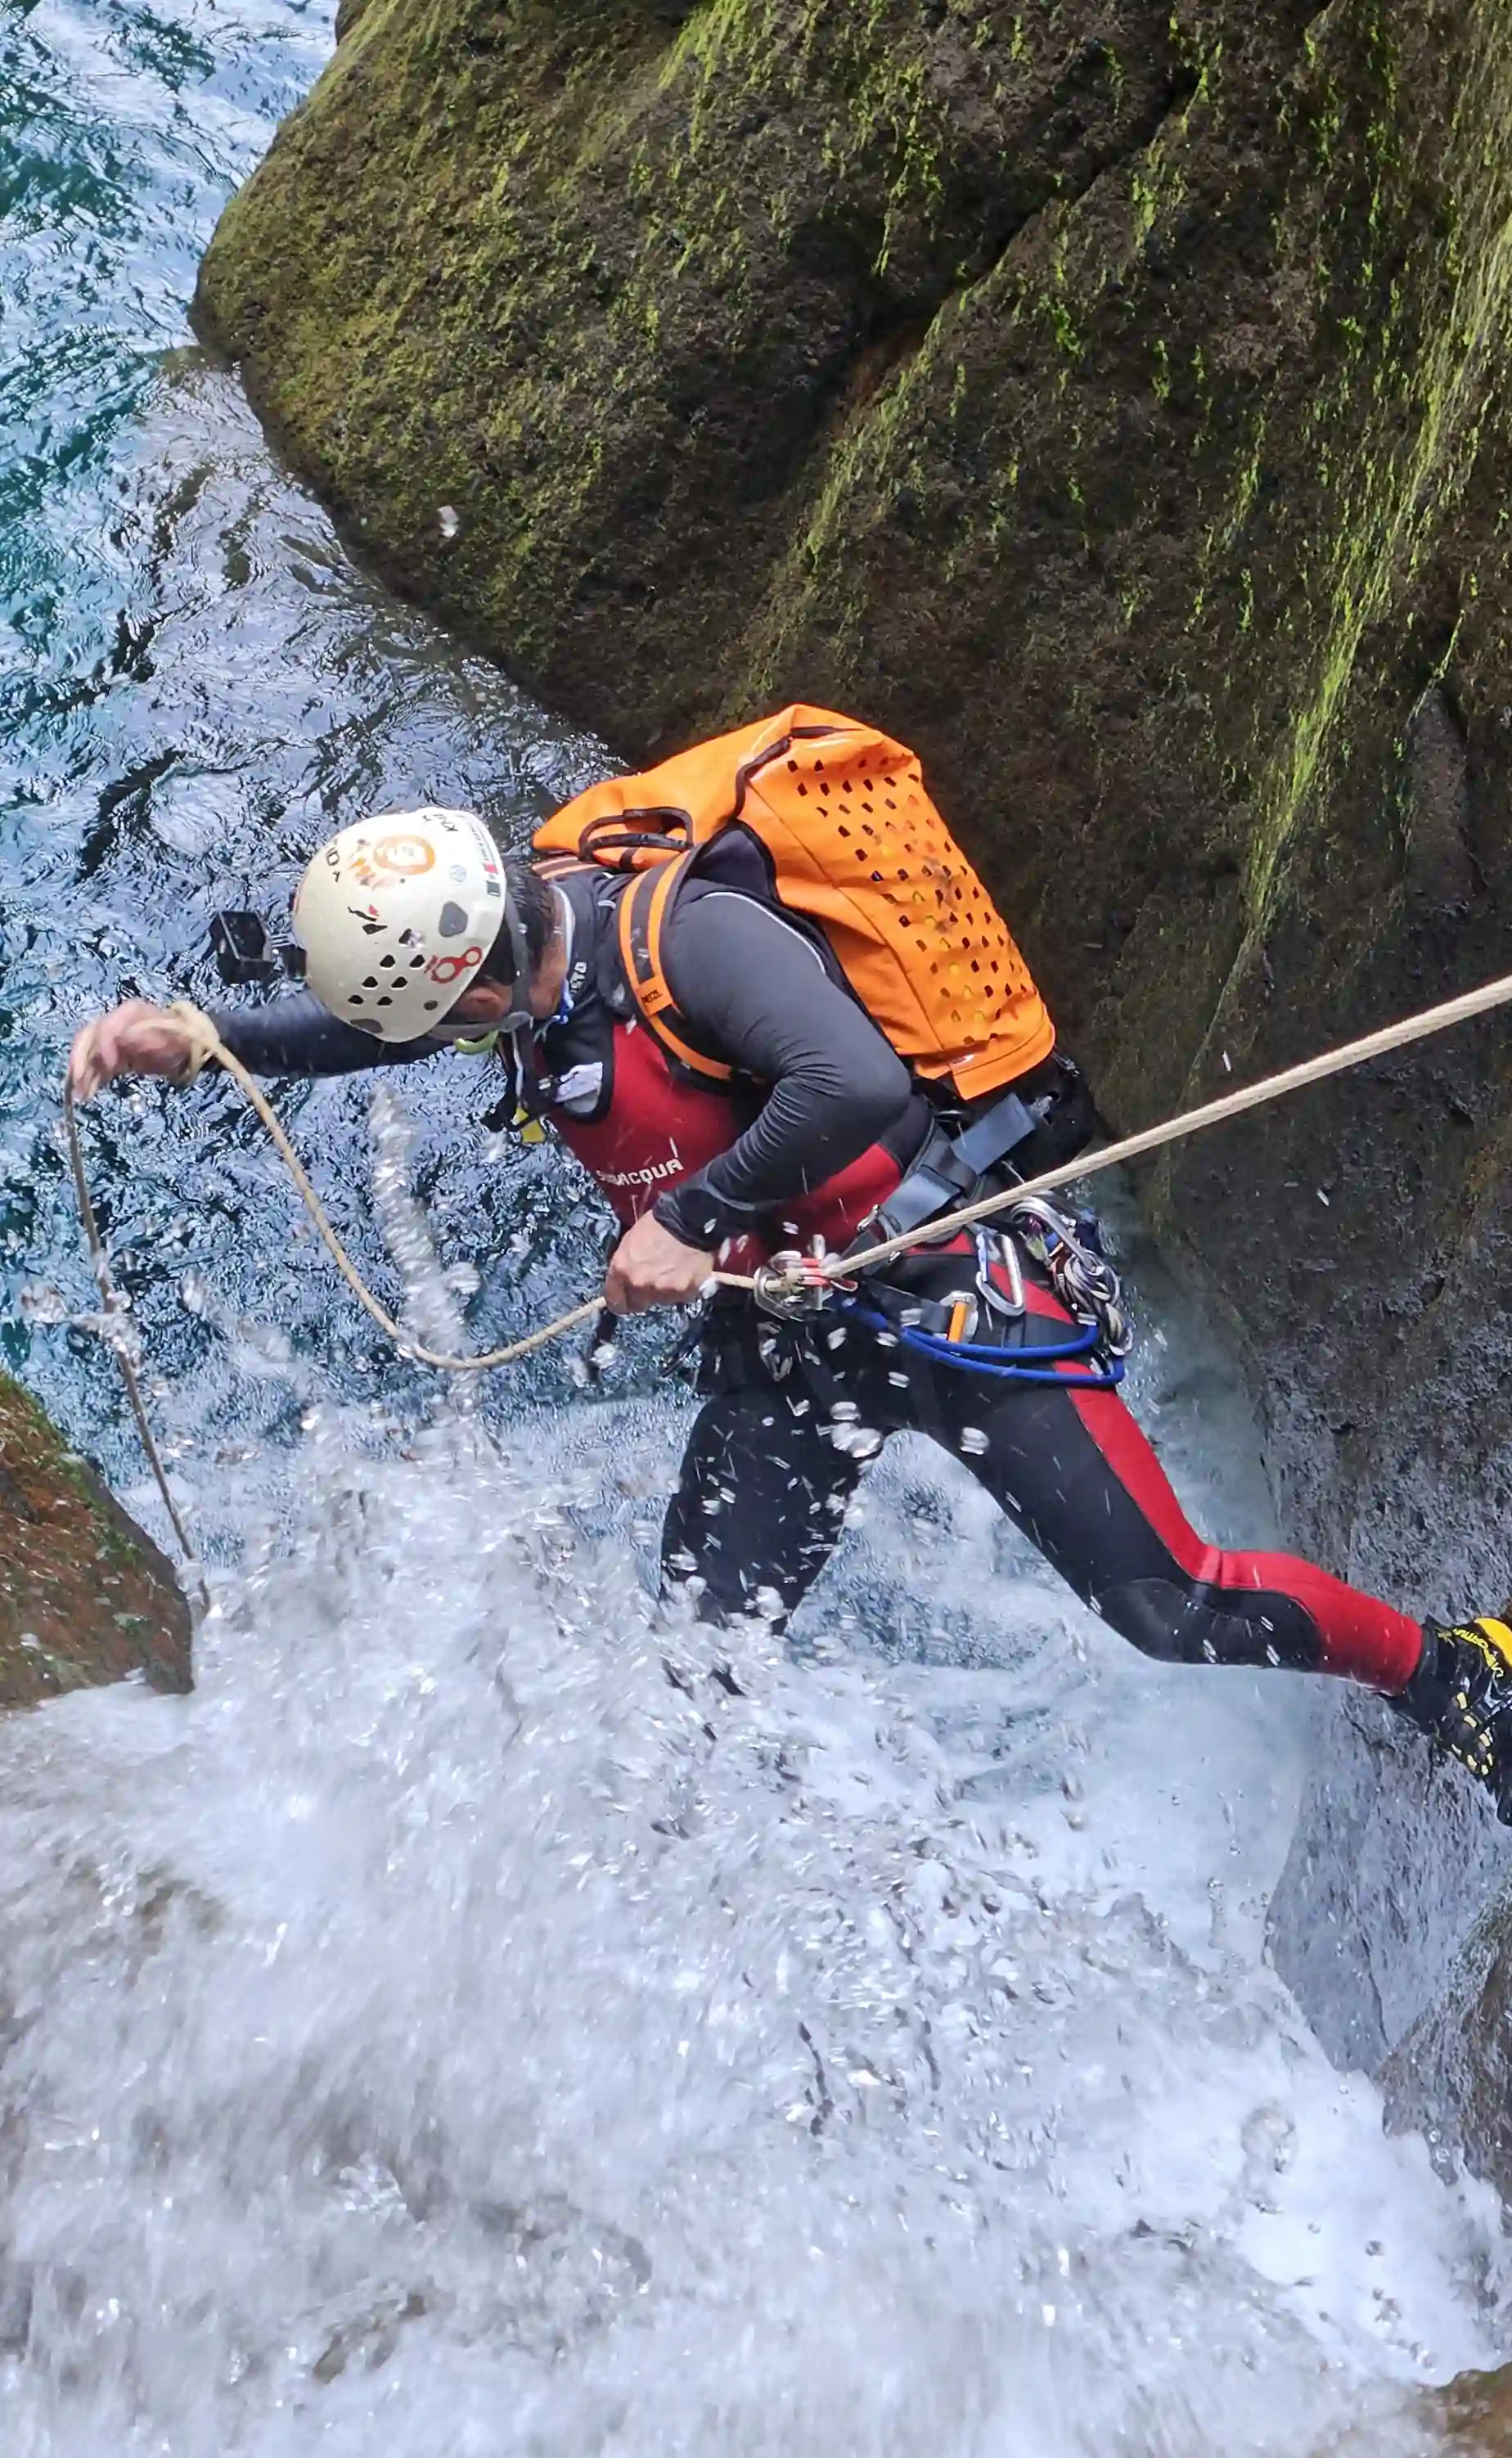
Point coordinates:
[(85, 1597)]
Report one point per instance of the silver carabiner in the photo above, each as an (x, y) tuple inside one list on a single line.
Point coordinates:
[(1011, 1301)]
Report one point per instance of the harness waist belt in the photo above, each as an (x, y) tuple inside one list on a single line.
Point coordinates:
[(950, 1167)]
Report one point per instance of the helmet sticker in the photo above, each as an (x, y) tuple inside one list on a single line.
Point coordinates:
[(409, 856), (390, 860), (443, 971)]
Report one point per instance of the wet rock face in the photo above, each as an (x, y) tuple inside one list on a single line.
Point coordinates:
[(1451, 2077), (1475, 2414), (1395, 1854), (85, 1597)]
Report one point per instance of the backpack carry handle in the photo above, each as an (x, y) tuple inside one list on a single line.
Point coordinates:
[(622, 834)]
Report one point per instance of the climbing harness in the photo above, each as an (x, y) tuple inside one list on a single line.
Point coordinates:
[(1068, 1248), (801, 1283), (954, 1166), (949, 1330)]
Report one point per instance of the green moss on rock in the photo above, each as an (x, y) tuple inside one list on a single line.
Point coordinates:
[(85, 1597)]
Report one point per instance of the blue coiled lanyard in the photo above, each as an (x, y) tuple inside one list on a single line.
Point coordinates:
[(999, 1366)]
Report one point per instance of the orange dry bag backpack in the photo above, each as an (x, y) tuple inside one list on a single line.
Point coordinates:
[(857, 846)]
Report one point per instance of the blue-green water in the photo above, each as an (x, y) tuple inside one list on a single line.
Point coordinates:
[(195, 686), (440, 2035)]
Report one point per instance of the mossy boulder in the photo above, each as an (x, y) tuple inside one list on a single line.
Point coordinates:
[(1474, 2414), (85, 1597)]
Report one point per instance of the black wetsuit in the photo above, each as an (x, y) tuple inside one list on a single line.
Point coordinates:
[(764, 1479)]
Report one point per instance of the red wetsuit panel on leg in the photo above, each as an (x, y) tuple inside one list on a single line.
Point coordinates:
[(1359, 1638)]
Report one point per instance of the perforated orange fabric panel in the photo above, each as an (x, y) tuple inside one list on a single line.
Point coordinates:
[(859, 848)]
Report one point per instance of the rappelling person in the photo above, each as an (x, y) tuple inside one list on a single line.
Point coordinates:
[(762, 996)]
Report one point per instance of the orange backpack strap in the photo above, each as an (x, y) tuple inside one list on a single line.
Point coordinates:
[(643, 911)]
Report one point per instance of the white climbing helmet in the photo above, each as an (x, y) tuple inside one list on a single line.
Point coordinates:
[(396, 916)]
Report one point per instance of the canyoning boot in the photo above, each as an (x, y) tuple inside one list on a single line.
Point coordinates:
[(1461, 1696)]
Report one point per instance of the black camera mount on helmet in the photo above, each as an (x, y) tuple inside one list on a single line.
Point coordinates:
[(246, 954)]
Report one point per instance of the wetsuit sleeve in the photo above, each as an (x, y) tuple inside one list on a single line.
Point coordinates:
[(297, 1036), (757, 993)]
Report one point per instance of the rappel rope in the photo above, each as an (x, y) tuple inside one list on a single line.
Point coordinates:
[(206, 1044), (1212, 1114), (113, 1307)]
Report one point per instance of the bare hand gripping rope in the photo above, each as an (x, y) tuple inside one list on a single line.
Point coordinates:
[(206, 1044)]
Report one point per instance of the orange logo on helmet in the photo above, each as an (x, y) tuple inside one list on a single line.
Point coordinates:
[(409, 856), (443, 971), (391, 858)]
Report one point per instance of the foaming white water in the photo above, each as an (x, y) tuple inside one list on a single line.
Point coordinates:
[(487, 2020)]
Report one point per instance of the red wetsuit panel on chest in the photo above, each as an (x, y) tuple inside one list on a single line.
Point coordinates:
[(658, 1129), (654, 1131)]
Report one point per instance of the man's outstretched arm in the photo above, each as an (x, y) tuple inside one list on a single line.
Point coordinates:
[(295, 1035), (289, 1036)]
